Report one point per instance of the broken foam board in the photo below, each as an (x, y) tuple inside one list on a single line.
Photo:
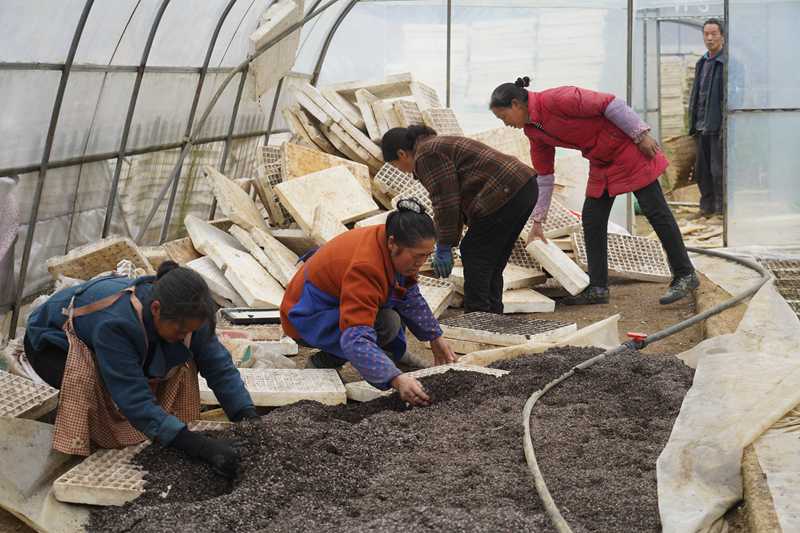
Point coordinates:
[(335, 187), (204, 234), (253, 283), (361, 391), (381, 117), (344, 106), (393, 86), (349, 149), (325, 226), (297, 161), (363, 141), (313, 109), (313, 94), (629, 257), (437, 292), (270, 387), (95, 258), (269, 67), (364, 101), (504, 330), (527, 301), (181, 250), (424, 95), (110, 476), (291, 115), (561, 267), (234, 202), (295, 239), (221, 289), (357, 147), (374, 220), (313, 131), (514, 277), (443, 120), (408, 113), (22, 398), (281, 261), (268, 262)]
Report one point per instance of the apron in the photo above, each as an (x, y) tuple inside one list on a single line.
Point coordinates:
[(316, 318), (86, 413)]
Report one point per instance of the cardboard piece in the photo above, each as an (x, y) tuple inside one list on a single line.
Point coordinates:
[(181, 250), (504, 330), (335, 187), (97, 257), (325, 226), (361, 391), (527, 301), (253, 283), (561, 267), (221, 289), (204, 234), (297, 161), (271, 387), (234, 202)]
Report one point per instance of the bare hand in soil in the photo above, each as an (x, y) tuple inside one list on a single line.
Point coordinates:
[(442, 352), (648, 146), (537, 232), (410, 390)]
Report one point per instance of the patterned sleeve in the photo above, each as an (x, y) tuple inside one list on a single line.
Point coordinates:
[(418, 315), (360, 346), (545, 183), (438, 174), (626, 119)]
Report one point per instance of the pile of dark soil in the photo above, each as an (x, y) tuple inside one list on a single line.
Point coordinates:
[(455, 466)]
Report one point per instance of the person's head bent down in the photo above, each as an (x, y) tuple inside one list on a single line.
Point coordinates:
[(181, 303), (398, 145), (410, 237), (509, 103)]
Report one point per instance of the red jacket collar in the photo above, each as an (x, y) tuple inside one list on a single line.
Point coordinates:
[(534, 109)]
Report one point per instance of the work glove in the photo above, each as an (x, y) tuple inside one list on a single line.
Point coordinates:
[(221, 456), (247, 413), (442, 261)]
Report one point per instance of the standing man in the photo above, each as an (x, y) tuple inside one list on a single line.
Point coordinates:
[(705, 116)]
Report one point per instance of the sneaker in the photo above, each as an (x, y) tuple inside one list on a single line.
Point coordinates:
[(680, 288), (588, 296)]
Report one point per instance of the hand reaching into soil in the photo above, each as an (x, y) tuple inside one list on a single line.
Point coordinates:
[(442, 352), (222, 457), (537, 232), (411, 390)]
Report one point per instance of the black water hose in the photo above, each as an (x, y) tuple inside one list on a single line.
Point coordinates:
[(550, 507)]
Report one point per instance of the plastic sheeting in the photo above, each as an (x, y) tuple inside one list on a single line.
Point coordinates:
[(744, 383)]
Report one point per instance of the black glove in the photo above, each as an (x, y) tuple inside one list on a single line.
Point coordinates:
[(247, 413), (222, 457)]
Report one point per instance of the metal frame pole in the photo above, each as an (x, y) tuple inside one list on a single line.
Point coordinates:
[(271, 119), (48, 147), (449, 51), (227, 147), (129, 117), (328, 38), (203, 71), (658, 80), (726, 111), (629, 213)]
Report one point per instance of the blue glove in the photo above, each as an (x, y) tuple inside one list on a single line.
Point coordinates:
[(442, 261)]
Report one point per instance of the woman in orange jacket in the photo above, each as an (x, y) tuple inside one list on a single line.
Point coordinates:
[(353, 297)]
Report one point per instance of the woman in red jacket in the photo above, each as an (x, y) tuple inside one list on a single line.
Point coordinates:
[(623, 158)]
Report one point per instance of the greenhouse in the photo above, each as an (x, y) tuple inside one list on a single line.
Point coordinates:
[(223, 165)]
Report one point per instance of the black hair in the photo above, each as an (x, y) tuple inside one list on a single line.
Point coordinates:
[(717, 22), (402, 139), (506, 93), (409, 224), (183, 293)]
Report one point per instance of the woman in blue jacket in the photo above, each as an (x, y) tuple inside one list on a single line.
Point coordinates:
[(125, 354)]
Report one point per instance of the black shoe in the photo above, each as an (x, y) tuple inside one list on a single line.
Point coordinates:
[(680, 288), (325, 360), (588, 296)]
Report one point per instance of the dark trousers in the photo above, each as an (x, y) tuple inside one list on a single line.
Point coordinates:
[(486, 247), (708, 172), (595, 229), (49, 362), (387, 327)]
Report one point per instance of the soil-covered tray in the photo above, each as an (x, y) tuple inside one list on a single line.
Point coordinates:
[(455, 466)]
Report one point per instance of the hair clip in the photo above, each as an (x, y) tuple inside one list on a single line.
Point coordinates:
[(411, 204)]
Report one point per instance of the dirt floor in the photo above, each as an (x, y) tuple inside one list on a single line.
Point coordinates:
[(455, 466)]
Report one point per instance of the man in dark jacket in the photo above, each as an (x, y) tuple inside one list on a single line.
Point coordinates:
[(705, 118)]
